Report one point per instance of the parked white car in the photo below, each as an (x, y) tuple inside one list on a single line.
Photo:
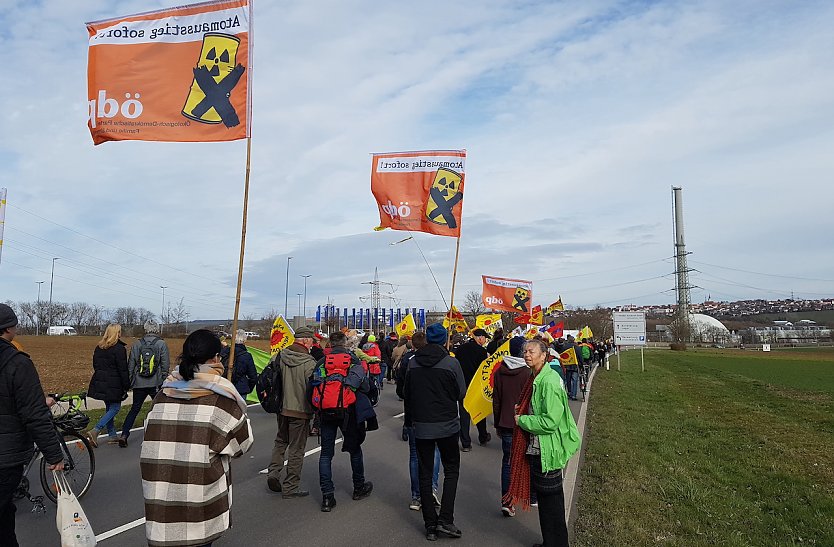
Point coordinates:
[(61, 330), (251, 335)]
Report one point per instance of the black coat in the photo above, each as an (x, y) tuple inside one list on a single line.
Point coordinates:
[(110, 380), (24, 416), (470, 355)]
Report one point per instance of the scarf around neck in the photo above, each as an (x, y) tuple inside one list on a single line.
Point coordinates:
[(207, 379)]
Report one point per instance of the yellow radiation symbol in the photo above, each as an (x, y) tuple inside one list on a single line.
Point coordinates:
[(520, 299), (444, 194), (215, 75)]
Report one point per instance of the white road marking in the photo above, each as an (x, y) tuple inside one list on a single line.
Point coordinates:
[(120, 529), (310, 452)]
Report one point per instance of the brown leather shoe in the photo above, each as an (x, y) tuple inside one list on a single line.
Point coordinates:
[(92, 436)]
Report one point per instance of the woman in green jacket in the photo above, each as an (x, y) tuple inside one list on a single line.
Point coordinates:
[(549, 438)]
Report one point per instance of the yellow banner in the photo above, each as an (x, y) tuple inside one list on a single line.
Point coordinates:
[(478, 400), (568, 357), (282, 335), (407, 327), (488, 321)]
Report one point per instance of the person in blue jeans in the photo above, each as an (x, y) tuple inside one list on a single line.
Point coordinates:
[(110, 380), (353, 433), (413, 469), (361, 487)]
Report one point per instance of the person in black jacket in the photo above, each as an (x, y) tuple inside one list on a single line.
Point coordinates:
[(24, 419), (244, 374), (470, 355), (433, 388), (110, 380)]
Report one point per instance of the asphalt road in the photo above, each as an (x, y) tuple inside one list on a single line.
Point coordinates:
[(115, 508)]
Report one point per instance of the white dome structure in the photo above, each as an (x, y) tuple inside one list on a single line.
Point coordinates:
[(707, 328)]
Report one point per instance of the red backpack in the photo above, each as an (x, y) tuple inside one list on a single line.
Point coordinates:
[(331, 397)]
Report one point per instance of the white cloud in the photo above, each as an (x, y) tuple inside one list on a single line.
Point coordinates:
[(577, 116)]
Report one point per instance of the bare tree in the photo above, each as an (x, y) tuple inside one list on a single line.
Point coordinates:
[(78, 312), (143, 315), (176, 314), (125, 316), (473, 304)]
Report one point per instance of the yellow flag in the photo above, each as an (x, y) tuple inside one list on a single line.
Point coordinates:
[(406, 326), (478, 400), (282, 335), (586, 333), (454, 320), (568, 357), (488, 321)]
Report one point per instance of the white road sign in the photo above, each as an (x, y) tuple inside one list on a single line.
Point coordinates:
[(630, 328)]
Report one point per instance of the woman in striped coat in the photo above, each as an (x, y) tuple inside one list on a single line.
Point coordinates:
[(198, 422)]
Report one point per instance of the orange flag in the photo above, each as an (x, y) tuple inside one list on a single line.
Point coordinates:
[(177, 74), (513, 295), (419, 191)]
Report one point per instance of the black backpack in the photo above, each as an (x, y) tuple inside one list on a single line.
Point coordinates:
[(270, 386), (147, 359)]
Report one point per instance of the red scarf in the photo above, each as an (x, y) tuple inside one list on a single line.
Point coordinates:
[(519, 492)]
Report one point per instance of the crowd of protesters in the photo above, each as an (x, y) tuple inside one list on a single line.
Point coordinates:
[(199, 420)]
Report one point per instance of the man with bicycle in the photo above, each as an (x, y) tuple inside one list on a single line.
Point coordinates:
[(25, 420)]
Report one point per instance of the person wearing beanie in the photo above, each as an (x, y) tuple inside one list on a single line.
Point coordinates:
[(296, 365), (513, 373), (25, 421), (147, 364), (433, 388), (470, 355)]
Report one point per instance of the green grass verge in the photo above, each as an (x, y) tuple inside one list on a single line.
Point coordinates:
[(710, 448), (96, 414)]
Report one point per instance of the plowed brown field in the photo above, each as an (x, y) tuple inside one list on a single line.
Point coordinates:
[(65, 363)]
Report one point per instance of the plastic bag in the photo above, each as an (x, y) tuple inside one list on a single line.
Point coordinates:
[(73, 526)]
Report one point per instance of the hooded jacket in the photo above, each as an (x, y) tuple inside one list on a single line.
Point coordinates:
[(512, 374), (434, 386), (24, 416), (296, 367)]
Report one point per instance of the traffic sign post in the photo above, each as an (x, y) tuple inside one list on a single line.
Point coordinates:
[(630, 329)]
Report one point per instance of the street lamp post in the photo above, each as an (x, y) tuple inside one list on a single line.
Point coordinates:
[(38, 323), (51, 282), (162, 314), (299, 302), (287, 287), (305, 293)]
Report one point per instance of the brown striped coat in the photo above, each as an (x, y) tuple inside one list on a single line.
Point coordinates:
[(186, 472)]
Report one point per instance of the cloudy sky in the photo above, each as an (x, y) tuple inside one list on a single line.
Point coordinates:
[(578, 117)]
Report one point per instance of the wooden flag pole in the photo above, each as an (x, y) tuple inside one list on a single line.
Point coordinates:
[(242, 249), (452, 296)]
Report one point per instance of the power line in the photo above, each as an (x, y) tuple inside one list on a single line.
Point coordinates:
[(762, 273), (113, 246), (108, 276)]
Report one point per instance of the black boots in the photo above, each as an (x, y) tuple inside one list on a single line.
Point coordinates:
[(328, 502), (364, 491)]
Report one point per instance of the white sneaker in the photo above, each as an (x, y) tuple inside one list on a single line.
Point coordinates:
[(508, 510), (415, 505)]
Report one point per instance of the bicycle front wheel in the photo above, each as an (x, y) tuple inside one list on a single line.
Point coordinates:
[(79, 466)]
